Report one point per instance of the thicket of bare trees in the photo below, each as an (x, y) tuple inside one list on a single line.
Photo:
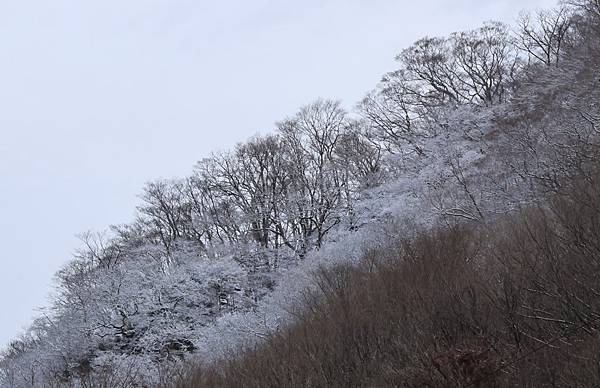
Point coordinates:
[(477, 68), (282, 190), (543, 35), (468, 67)]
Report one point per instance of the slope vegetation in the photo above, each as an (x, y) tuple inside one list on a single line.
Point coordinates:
[(437, 234), (512, 304)]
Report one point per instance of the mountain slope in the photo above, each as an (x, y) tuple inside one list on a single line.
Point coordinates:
[(224, 259)]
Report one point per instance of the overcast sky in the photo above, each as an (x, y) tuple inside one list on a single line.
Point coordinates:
[(98, 97)]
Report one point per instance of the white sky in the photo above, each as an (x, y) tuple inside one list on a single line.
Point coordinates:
[(98, 97)]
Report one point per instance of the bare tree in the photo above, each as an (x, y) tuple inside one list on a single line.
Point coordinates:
[(360, 157), (99, 249), (395, 114), (212, 202), (310, 138), (166, 209), (468, 67), (543, 34), (429, 64), (486, 62), (265, 183)]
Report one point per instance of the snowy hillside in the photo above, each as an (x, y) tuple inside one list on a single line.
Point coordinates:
[(469, 128)]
